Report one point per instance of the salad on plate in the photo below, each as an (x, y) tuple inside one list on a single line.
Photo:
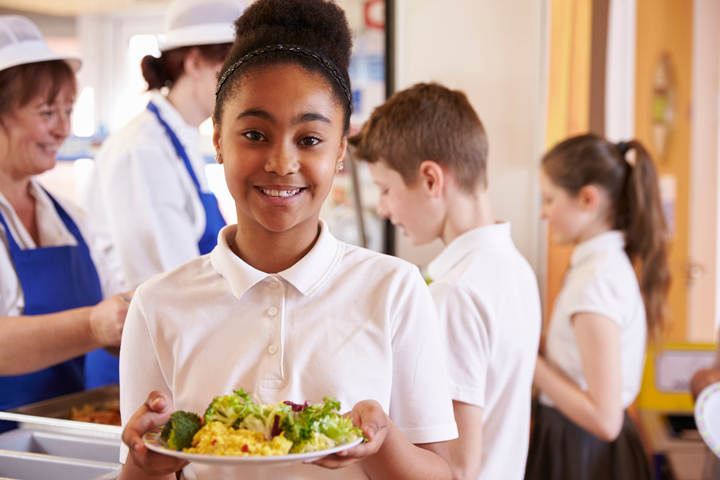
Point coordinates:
[(235, 425)]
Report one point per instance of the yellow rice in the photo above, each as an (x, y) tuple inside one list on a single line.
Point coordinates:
[(217, 439)]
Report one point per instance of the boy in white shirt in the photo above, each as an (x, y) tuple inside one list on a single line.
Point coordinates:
[(427, 150)]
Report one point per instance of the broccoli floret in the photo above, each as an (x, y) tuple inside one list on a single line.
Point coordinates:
[(225, 409), (180, 429)]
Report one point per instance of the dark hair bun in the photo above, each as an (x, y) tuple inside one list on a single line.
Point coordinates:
[(319, 25), (153, 72)]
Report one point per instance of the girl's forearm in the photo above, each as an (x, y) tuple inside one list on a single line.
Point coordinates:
[(577, 405), (33, 342), (398, 459)]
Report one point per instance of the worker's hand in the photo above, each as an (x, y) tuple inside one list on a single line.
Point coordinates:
[(153, 413), (107, 319), (702, 379)]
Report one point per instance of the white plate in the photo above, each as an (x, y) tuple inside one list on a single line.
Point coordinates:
[(154, 442), (707, 416)]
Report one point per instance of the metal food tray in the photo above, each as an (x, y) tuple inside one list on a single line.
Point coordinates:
[(61, 445), (35, 466), (54, 414)]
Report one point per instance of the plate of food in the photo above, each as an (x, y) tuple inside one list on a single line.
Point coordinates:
[(235, 430), (707, 416)]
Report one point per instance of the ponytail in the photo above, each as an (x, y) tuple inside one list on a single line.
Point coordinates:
[(634, 194), (646, 236), (154, 73)]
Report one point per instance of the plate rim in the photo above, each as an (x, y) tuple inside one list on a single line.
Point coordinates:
[(700, 404), (238, 460)]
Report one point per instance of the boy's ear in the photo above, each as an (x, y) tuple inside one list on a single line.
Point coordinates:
[(432, 177), (589, 197)]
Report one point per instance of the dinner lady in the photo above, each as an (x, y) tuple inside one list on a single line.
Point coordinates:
[(51, 286)]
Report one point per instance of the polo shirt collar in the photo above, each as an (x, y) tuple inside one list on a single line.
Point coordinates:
[(308, 275), (488, 236), (613, 240)]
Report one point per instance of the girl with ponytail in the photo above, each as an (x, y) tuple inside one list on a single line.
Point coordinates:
[(604, 198)]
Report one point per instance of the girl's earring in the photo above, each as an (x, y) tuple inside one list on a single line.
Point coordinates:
[(217, 157), (341, 166)]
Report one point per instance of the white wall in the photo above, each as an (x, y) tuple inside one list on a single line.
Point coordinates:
[(495, 51)]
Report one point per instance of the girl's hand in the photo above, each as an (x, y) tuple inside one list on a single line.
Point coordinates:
[(155, 412), (369, 417)]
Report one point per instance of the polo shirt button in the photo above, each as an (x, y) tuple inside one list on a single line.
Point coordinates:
[(274, 285), (272, 349), (272, 311)]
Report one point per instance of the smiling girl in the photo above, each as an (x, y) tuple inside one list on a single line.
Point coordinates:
[(280, 307), (604, 198)]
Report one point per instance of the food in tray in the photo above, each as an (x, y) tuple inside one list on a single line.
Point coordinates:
[(234, 425), (107, 414)]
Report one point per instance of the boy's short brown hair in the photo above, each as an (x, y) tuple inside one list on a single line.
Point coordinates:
[(427, 122)]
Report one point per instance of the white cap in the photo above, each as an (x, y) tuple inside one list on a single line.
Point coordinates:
[(21, 43), (201, 22)]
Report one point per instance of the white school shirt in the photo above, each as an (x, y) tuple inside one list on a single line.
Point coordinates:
[(53, 233), (601, 280), (487, 296), (343, 321), (143, 208)]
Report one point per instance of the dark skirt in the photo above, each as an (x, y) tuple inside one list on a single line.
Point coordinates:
[(560, 450)]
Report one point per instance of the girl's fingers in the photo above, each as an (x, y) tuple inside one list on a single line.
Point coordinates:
[(153, 413)]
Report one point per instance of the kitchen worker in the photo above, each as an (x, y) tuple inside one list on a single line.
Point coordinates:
[(148, 202), (52, 286)]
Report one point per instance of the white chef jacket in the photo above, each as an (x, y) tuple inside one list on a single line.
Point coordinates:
[(53, 233), (343, 321), (601, 280), (143, 208), (489, 305)]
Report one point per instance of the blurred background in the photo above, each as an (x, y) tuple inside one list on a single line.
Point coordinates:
[(536, 71)]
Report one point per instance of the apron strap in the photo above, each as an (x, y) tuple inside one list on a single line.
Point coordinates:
[(64, 216), (69, 223), (176, 143), (12, 244)]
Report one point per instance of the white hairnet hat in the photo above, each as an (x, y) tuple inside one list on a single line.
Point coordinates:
[(201, 22), (21, 43)]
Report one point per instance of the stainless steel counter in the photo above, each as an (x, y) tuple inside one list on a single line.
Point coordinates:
[(48, 444)]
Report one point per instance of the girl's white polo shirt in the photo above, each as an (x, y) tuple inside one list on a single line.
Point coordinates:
[(343, 321), (601, 280)]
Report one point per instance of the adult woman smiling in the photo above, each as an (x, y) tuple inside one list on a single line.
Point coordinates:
[(51, 295)]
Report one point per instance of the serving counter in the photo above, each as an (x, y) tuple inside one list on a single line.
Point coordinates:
[(48, 444)]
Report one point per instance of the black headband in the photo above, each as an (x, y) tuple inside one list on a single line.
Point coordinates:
[(297, 50)]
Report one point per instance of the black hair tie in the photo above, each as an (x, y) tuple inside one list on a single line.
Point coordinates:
[(623, 148)]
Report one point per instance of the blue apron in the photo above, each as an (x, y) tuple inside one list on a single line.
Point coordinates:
[(214, 220), (53, 279)]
